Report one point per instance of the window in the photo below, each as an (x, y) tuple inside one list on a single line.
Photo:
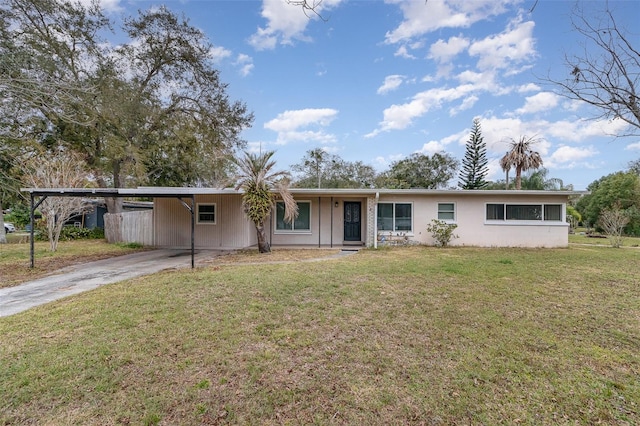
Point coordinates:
[(495, 211), (395, 217), (300, 224), (446, 211), (553, 212), (206, 214), (524, 212)]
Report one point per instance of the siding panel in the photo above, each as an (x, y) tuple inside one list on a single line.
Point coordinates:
[(173, 224)]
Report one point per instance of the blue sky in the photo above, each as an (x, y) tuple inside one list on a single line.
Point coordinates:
[(376, 81)]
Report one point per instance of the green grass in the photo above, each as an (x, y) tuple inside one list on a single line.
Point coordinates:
[(404, 336), (580, 237)]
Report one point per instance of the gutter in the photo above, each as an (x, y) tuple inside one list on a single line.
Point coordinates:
[(375, 222)]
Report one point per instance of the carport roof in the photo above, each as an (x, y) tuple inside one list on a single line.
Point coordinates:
[(157, 192), (141, 192)]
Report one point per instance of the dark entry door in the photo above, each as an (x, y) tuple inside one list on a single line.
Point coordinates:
[(352, 222)]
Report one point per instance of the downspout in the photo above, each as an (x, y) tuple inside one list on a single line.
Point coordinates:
[(375, 222), (271, 222), (331, 233), (193, 231), (319, 222)]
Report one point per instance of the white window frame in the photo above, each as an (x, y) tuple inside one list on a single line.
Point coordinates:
[(393, 221), (293, 230), (561, 222), (207, 222), (454, 211)]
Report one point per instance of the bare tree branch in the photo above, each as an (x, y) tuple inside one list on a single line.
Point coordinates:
[(606, 74), (309, 8)]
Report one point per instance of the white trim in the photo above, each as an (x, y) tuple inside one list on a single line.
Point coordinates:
[(215, 214), (393, 210), (455, 211), (561, 222)]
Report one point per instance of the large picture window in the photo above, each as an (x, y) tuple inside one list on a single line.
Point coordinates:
[(300, 224), (524, 212), (206, 214), (395, 217)]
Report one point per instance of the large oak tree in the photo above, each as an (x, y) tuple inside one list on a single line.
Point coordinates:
[(151, 110)]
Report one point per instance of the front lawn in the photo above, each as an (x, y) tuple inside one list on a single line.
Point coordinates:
[(412, 335), (601, 240)]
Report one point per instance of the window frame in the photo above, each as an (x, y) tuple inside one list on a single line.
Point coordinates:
[(454, 211), (293, 230), (207, 222), (505, 220), (393, 217)]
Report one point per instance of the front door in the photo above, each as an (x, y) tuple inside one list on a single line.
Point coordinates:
[(352, 225)]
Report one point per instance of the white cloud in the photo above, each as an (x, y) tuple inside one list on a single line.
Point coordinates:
[(218, 53), (567, 154), (398, 117), (423, 17), (503, 50), (529, 87), (245, 62), (579, 130), (542, 101), (391, 82), (292, 125), (404, 53), (285, 23), (106, 5), (467, 103), (570, 157), (432, 147), (633, 146), (444, 51)]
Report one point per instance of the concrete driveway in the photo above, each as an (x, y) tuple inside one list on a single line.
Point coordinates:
[(87, 276)]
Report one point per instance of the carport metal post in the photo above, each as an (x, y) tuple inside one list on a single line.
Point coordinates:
[(191, 209), (31, 231)]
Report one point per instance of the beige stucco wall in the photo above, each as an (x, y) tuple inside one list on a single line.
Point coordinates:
[(231, 230), (472, 228), (172, 221), (327, 223)]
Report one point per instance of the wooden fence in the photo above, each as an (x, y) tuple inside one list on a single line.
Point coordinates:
[(129, 227)]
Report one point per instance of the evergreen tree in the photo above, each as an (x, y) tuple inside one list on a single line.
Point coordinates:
[(474, 165)]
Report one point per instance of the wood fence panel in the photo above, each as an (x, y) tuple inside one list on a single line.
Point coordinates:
[(129, 227)]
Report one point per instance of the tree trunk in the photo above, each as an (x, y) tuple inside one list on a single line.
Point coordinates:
[(3, 235), (518, 178), (114, 204), (263, 243), (507, 184)]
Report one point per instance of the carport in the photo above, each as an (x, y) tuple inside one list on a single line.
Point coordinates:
[(185, 195)]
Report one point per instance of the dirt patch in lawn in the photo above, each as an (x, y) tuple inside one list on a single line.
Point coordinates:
[(276, 256)]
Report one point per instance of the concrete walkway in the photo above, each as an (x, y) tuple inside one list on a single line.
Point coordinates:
[(87, 276)]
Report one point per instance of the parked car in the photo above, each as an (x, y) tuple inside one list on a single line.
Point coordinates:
[(9, 227)]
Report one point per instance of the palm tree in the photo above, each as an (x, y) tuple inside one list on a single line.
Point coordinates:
[(258, 180), (538, 180), (522, 157)]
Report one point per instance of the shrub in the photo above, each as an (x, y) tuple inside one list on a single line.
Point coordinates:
[(613, 221), (442, 232), (70, 233)]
